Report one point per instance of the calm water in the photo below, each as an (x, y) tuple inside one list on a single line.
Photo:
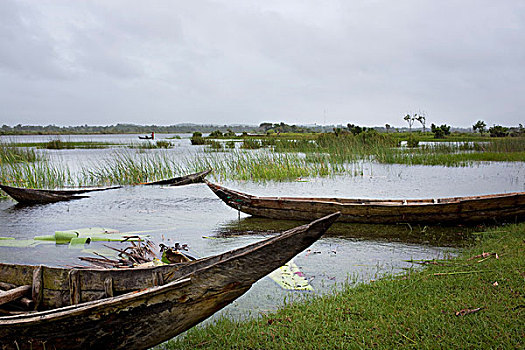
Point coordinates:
[(193, 215)]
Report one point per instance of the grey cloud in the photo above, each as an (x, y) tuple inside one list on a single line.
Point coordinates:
[(366, 62)]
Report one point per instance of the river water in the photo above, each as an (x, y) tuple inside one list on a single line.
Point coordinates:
[(195, 216)]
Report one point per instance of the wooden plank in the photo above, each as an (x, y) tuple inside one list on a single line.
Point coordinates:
[(74, 287), (13, 294), (37, 289), (108, 287)]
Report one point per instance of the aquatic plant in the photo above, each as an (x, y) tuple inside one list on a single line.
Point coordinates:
[(10, 154)]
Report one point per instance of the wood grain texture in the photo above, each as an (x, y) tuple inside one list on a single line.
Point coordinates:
[(449, 211)]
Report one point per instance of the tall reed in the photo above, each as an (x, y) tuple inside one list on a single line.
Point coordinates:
[(10, 154), (41, 174)]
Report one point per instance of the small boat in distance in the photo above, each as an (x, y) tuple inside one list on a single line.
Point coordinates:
[(137, 308), (451, 211), (29, 196), (146, 137), (182, 180)]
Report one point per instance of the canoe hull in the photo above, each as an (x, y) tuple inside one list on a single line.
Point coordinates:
[(458, 210), (142, 319), (183, 180), (40, 196)]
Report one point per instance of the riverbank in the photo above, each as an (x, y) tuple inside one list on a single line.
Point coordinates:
[(476, 300)]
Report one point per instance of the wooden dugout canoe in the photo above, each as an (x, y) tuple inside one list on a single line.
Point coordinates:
[(40, 196), (158, 302), (456, 210), (183, 180), (29, 196)]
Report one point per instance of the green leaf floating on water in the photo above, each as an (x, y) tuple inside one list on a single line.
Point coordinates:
[(75, 238), (21, 243)]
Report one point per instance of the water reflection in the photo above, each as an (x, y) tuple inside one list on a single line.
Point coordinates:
[(409, 233)]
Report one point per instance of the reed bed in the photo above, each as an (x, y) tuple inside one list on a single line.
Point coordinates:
[(10, 154), (282, 160), (262, 165), (128, 168), (41, 174)]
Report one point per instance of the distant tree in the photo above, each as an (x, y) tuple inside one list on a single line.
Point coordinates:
[(422, 119), (355, 129), (387, 127), (479, 126), (266, 126), (440, 131), (216, 133), (498, 131), (229, 133), (410, 120)]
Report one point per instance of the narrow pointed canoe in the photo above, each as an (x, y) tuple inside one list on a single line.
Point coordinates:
[(182, 180), (456, 210), (40, 196), (140, 307)]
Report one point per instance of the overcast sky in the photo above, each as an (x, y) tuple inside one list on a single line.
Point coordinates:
[(246, 62)]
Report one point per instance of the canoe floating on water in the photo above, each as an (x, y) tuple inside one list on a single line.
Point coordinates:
[(137, 308), (456, 210), (183, 180), (40, 196), (28, 196)]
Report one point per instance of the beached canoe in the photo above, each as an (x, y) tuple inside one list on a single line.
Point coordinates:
[(40, 196), (183, 180), (456, 210), (137, 308)]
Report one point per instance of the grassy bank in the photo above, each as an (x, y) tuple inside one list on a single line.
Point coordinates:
[(473, 301)]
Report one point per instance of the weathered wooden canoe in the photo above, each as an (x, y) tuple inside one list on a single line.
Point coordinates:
[(141, 307), (183, 180), (39, 196), (457, 210)]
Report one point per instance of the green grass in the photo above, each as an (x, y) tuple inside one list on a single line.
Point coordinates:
[(416, 310), (40, 174), (10, 154), (152, 145), (127, 168)]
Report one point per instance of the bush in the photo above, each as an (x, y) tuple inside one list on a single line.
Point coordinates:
[(498, 131), (164, 144), (440, 131), (215, 145), (412, 141), (251, 144), (229, 133), (197, 139)]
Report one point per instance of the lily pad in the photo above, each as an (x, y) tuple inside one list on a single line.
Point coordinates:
[(290, 277)]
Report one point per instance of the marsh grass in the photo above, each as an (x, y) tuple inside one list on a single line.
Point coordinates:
[(10, 154), (40, 174), (261, 165), (152, 145), (128, 168), (510, 149), (416, 310)]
